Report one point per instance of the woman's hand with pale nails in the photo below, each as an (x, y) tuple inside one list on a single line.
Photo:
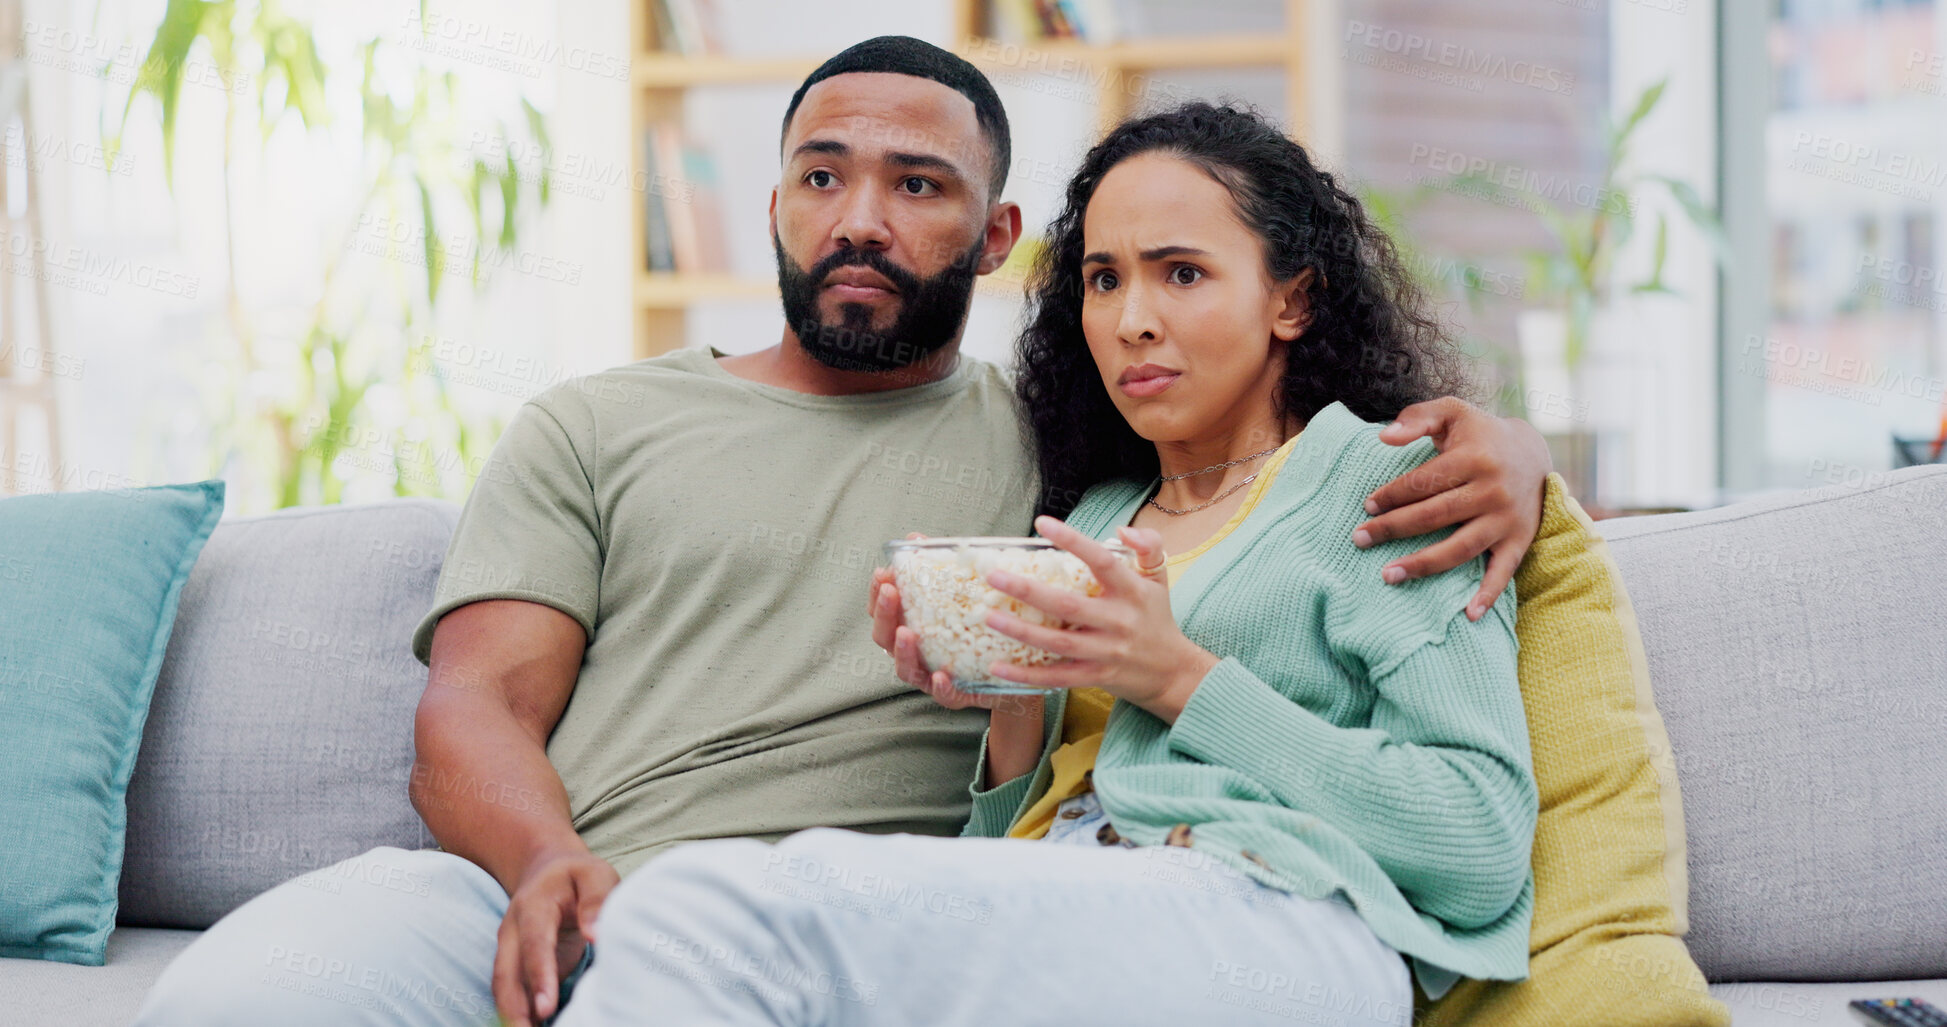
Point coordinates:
[(1124, 641)]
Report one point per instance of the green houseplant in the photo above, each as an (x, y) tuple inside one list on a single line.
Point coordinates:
[(1584, 300), (1572, 290), (287, 404), (1576, 271)]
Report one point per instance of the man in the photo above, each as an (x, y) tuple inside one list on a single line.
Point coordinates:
[(648, 628)]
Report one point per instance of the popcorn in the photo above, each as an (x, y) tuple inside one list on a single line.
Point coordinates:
[(944, 592)]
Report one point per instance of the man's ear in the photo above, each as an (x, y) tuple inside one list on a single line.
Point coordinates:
[(774, 212), (1295, 313), (1003, 231)]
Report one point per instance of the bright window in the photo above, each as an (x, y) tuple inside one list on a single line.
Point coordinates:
[(1843, 348)]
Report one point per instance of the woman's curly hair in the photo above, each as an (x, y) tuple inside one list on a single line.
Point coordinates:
[(1371, 342)]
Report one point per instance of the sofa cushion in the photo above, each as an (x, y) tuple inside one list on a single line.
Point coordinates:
[(1800, 661), (280, 737), (93, 583), (91, 996), (1609, 846)]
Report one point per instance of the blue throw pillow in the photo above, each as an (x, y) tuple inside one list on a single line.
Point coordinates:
[(88, 587)]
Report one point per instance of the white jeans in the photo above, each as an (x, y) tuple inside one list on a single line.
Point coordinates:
[(388, 938), (834, 927)]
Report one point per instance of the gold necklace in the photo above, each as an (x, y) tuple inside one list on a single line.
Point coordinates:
[(1219, 467), (1214, 500)]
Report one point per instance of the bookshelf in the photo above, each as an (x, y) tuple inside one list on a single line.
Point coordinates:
[(660, 78)]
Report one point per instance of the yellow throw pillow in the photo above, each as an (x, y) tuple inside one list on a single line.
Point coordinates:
[(1611, 887)]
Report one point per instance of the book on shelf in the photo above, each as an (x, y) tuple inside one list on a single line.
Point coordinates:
[(1014, 21), (687, 27), (683, 213), (1090, 21), (659, 251), (711, 248), (1055, 23), (675, 196)]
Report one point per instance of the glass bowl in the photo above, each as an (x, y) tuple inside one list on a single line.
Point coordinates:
[(945, 597)]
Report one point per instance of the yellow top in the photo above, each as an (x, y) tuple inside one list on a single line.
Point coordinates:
[(1088, 708)]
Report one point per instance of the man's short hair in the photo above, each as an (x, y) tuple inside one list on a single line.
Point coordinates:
[(904, 55)]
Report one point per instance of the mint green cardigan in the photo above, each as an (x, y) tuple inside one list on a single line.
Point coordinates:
[(1357, 736)]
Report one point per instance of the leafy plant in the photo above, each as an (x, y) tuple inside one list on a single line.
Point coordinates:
[(296, 401), (1575, 271)]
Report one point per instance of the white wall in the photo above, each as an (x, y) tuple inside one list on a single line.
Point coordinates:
[(592, 327)]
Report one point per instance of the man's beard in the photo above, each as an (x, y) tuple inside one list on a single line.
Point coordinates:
[(930, 311)]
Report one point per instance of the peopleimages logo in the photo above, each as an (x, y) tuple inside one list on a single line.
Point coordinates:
[(464, 38), (1565, 190), (569, 172), (895, 892), (404, 240), (23, 147), (1868, 166), (1925, 277), (1413, 48), (1901, 281), (1926, 72), (1850, 376), (79, 267), (1062, 74), (30, 358), (84, 53), (370, 987), (774, 980), (1276, 991), (32, 472), (509, 373)]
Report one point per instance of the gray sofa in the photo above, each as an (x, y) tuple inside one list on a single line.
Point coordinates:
[(1798, 647)]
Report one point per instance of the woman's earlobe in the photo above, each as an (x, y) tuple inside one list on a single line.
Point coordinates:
[(1296, 316), (1290, 325)]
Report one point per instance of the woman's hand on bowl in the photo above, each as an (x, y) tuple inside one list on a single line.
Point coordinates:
[(1124, 641)]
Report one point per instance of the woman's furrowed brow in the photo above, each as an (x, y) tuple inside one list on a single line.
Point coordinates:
[(1155, 254), (1166, 252)]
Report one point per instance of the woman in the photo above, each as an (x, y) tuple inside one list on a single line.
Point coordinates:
[(1264, 781)]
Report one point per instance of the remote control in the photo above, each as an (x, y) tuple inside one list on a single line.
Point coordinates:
[(1899, 1012)]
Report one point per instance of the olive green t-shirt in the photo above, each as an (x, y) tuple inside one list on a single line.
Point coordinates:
[(716, 538)]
